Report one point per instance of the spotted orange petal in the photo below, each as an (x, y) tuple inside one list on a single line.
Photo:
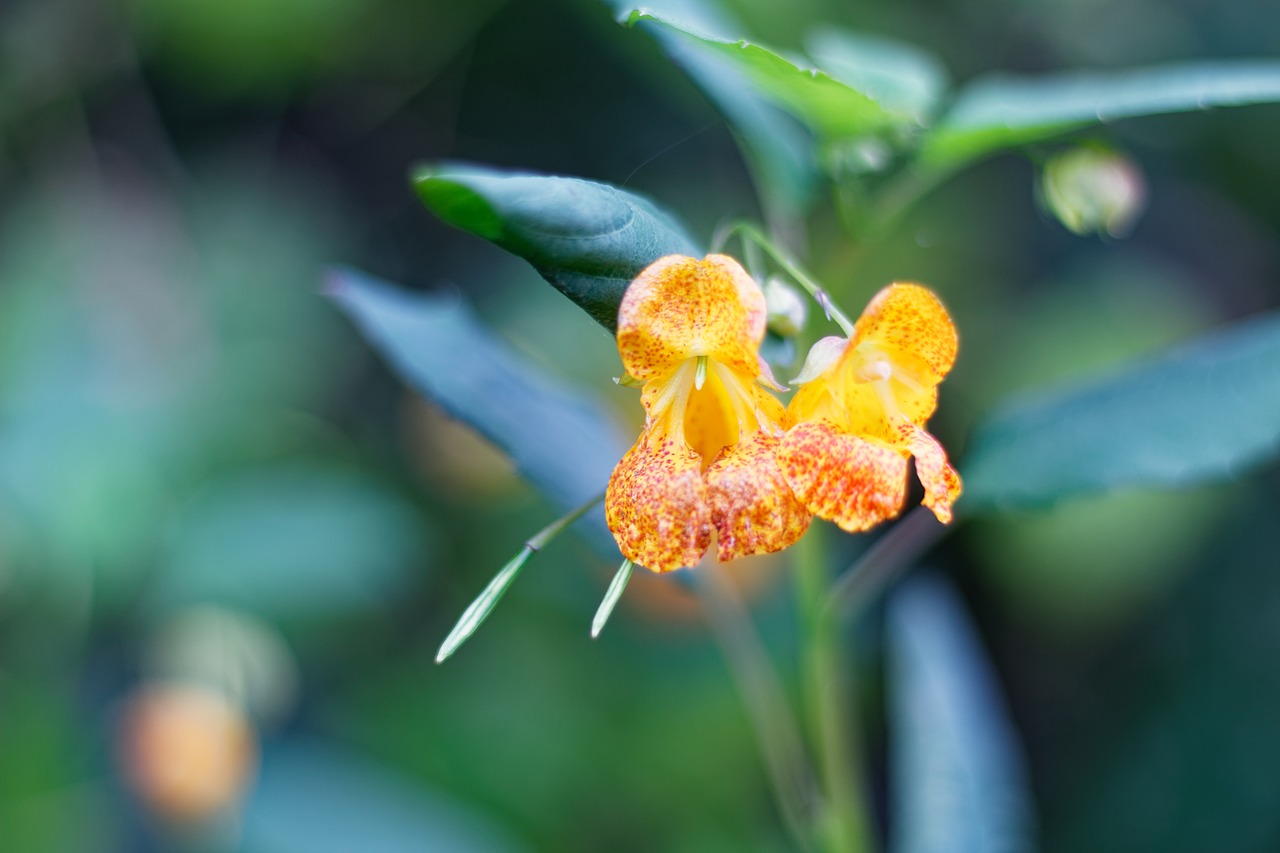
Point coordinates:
[(853, 481), (656, 505), (910, 325), (681, 307), (941, 482), (752, 507)]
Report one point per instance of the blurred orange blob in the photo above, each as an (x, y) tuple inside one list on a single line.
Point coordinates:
[(186, 751)]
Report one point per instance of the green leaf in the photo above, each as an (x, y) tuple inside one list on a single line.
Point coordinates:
[(1199, 413), (832, 107), (588, 240), (1006, 111), (611, 596), (479, 610), (959, 784), (291, 540), (561, 441), (778, 149), (901, 77)]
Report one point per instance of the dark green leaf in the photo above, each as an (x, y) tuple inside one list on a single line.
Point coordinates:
[(1004, 111), (589, 240), (959, 784), (1199, 413), (901, 77), (561, 441), (778, 149), (832, 107)]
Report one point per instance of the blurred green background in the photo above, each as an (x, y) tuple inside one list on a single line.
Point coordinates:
[(222, 519)]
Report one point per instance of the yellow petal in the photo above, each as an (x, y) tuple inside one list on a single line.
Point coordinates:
[(752, 508), (941, 482), (681, 307), (656, 505), (876, 409), (710, 415), (909, 324), (770, 414), (813, 401), (853, 481)]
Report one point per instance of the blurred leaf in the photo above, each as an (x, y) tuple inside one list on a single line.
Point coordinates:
[(561, 441), (247, 48), (291, 540), (314, 799), (141, 345), (959, 785), (588, 239), (1199, 413), (777, 148), (829, 104), (50, 799), (1079, 571), (899, 76), (1167, 737), (1005, 111)]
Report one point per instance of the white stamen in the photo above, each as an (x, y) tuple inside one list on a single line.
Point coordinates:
[(700, 375)]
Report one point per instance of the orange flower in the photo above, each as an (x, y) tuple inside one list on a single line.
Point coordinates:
[(861, 410), (707, 460)]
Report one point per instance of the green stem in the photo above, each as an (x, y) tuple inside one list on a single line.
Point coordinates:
[(894, 553), (843, 825), (540, 539), (749, 232), (900, 196), (789, 772)]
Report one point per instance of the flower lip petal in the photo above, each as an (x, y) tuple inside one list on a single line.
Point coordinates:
[(681, 307), (656, 505), (941, 483), (855, 482), (752, 507)]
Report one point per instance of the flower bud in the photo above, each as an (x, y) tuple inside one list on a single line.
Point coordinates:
[(787, 310), (1093, 190), (236, 654)]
